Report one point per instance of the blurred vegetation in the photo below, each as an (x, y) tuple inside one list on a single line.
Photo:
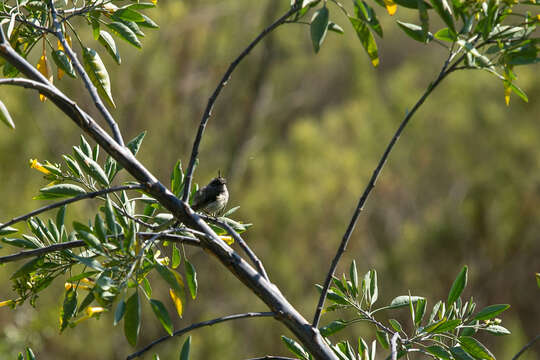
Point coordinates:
[(298, 135)]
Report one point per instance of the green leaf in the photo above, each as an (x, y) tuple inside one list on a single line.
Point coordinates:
[(28, 267), (445, 35), (85, 147), (457, 287), (22, 243), (332, 26), (403, 300), (365, 13), (91, 167), (108, 42), (72, 165), (382, 337), (231, 211), (395, 325), (119, 312), (81, 276), (69, 308), (109, 215), (169, 277), (295, 348), (519, 92), (86, 301), (148, 23), (125, 33), (62, 62), (184, 353), (177, 178), (424, 17), (175, 256), (353, 273), (445, 12), (4, 115), (135, 144), (447, 326), (146, 287), (420, 311), (460, 354), (163, 316), (141, 6), (438, 351), (475, 348), (61, 190), (491, 311), (91, 263), (128, 14), (333, 327), (30, 354), (8, 230), (414, 31), (91, 240), (366, 39), (132, 319), (537, 275), (319, 27), (98, 74), (191, 277), (372, 287), (497, 330), (60, 216)]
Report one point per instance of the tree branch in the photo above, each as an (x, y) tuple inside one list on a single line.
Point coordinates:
[(254, 259), (68, 201), (217, 91), (79, 243), (199, 325), (86, 79), (526, 347), (371, 184)]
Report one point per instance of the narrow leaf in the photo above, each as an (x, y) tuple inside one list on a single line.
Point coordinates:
[(319, 27), (191, 277), (5, 117), (457, 287), (184, 353), (162, 314), (132, 319)]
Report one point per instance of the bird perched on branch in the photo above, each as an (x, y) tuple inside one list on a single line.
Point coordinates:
[(212, 198)]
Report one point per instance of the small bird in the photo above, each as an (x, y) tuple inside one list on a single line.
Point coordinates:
[(212, 198)]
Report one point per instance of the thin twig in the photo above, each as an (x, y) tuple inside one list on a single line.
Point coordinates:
[(523, 349), (371, 184), (86, 79), (79, 243), (199, 325), (217, 91), (69, 201), (240, 242), (19, 18)]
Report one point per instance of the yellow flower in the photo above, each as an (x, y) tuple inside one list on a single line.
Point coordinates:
[(228, 239), (6, 303), (34, 164), (92, 310), (391, 7)]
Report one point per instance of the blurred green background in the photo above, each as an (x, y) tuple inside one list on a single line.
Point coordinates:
[(298, 136)]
